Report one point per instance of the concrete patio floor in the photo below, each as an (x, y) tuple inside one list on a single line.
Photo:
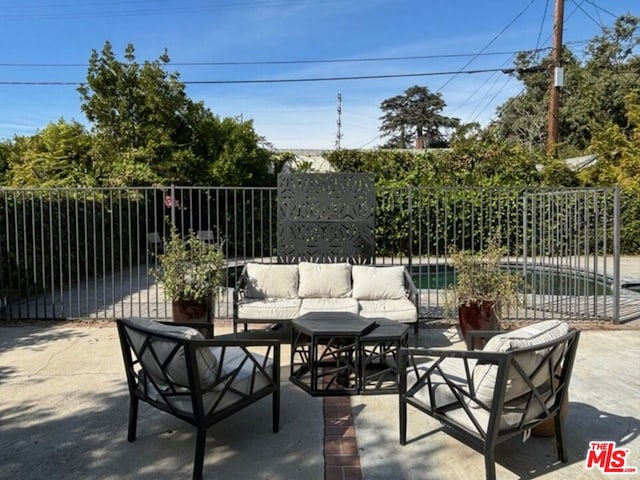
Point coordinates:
[(64, 409)]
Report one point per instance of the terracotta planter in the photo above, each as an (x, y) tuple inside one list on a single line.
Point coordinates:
[(189, 311), (477, 316)]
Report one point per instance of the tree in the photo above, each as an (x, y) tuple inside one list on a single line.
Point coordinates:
[(147, 130), (415, 115), (593, 93), (6, 149), (58, 156)]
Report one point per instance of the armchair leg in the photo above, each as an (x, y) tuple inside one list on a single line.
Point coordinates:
[(490, 462), (560, 446), (133, 418), (276, 411), (403, 422), (201, 438), (276, 393)]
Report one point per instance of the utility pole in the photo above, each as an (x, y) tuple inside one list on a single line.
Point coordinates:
[(339, 136), (558, 78)]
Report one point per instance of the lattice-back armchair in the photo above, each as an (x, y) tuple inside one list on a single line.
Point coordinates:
[(519, 380), (201, 381)]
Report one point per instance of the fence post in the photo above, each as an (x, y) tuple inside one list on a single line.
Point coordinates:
[(173, 205), (410, 208), (616, 255)]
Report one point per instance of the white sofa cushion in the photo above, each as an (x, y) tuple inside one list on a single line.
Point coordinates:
[(324, 280), (269, 308), (401, 310), (329, 305), (378, 283), (484, 375), (176, 369), (271, 281)]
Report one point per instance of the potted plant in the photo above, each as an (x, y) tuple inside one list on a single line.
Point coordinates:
[(191, 271), (483, 287)]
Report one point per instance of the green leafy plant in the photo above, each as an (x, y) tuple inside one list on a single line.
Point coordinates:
[(190, 269), (482, 277)]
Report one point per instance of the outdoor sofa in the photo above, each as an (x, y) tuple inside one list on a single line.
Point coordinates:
[(279, 293), (517, 382)]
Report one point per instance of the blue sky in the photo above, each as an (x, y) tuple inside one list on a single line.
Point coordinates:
[(51, 40)]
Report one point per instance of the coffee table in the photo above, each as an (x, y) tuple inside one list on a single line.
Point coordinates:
[(379, 356), (339, 353)]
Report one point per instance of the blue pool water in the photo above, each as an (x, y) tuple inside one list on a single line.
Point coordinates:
[(546, 281)]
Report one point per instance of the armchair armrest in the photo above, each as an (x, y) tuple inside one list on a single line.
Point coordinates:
[(206, 329)]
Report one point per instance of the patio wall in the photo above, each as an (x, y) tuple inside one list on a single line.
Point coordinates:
[(86, 253)]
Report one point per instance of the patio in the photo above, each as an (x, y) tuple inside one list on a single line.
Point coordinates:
[(65, 406)]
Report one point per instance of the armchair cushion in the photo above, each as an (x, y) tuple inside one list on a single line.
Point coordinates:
[(165, 350), (378, 283), (223, 394), (324, 280), (451, 374), (484, 375), (271, 281)]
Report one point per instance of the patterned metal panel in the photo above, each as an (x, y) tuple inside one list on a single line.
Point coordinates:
[(326, 217)]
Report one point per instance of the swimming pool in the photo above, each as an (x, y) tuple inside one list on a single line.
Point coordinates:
[(542, 280)]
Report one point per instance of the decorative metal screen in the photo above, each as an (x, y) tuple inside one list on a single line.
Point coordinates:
[(326, 217)]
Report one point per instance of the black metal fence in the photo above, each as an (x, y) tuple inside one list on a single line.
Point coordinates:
[(87, 253)]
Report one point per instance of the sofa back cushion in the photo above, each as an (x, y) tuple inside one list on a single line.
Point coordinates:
[(484, 375), (378, 283), (266, 280), (324, 280)]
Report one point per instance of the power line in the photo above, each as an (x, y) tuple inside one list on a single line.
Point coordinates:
[(579, 6), (282, 62), (488, 44), (599, 8), (57, 12), (296, 80), (544, 16)]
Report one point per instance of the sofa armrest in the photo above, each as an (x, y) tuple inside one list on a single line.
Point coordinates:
[(412, 291), (238, 291)]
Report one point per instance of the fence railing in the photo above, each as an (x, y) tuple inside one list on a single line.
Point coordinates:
[(87, 253)]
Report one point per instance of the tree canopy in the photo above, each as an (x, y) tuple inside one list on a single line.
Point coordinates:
[(593, 94), (415, 116), (57, 156), (147, 130)]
